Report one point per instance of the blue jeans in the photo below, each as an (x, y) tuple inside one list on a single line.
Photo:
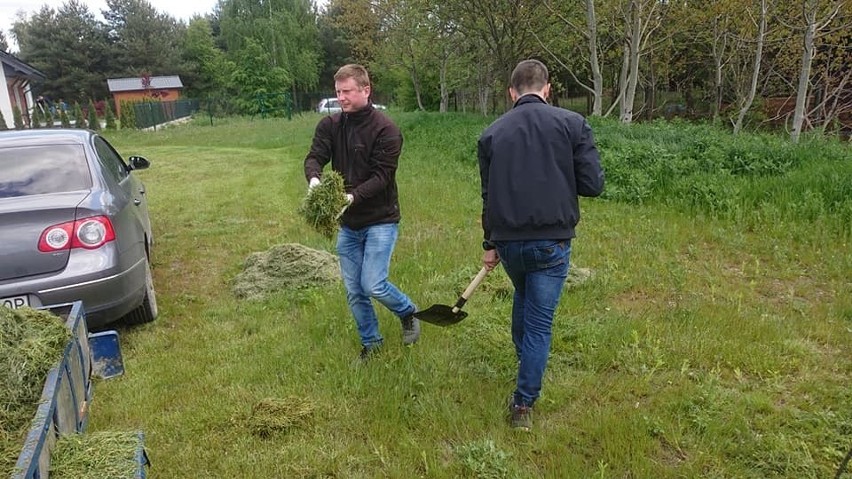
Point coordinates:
[(538, 270), (364, 261)]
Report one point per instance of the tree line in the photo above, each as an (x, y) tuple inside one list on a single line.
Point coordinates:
[(742, 62)]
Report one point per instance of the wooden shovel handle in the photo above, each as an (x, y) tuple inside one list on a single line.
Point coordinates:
[(469, 291)]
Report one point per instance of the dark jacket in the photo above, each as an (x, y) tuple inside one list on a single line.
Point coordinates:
[(534, 161), (364, 147)]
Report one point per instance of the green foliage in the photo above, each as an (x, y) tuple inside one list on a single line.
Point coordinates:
[(93, 122), (35, 118), (208, 68), (3, 125), (256, 75), (109, 116), (18, 118), (48, 118), (79, 118), (127, 115), (63, 118)]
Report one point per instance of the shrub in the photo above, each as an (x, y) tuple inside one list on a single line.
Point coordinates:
[(79, 118), (94, 123), (18, 118), (63, 118), (109, 116)]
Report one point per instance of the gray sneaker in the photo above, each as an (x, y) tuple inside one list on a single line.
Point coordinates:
[(410, 329)]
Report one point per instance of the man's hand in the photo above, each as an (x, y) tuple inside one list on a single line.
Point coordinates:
[(490, 259), (314, 182)]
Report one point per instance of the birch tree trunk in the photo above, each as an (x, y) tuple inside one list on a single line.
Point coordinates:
[(804, 75), (755, 75), (594, 63), (634, 38)]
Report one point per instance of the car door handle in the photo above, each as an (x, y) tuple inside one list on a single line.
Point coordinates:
[(137, 201)]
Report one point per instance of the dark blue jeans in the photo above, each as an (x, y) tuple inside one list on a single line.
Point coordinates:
[(538, 270), (365, 256)]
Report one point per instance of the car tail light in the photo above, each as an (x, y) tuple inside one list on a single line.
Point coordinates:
[(88, 233)]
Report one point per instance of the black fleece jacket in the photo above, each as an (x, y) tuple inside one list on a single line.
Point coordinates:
[(534, 161), (364, 147)]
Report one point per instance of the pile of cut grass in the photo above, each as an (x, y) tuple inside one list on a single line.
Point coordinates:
[(96, 455), (285, 267), (323, 204), (277, 415), (31, 342)]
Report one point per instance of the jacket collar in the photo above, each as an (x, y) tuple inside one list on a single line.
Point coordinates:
[(529, 98), (359, 115)]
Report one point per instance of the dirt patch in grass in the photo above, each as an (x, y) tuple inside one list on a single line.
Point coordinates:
[(31, 342), (285, 267)]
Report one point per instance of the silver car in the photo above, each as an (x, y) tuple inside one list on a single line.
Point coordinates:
[(74, 225)]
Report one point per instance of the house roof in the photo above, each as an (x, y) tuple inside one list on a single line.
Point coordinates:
[(13, 67), (135, 84)]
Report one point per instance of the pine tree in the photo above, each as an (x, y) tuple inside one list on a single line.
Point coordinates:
[(109, 116), (3, 125), (48, 119), (127, 115), (94, 123), (18, 117), (63, 117), (35, 120), (79, 121)]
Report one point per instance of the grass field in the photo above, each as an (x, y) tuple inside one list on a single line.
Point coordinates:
[(709, 342)]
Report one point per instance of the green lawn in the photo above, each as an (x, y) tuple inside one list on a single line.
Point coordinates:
[(704, 345)]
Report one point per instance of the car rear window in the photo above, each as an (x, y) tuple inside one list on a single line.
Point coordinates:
[(36, 170)]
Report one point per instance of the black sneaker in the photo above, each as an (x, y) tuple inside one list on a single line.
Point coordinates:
[(410, 329), (367, 352), (521, 418)]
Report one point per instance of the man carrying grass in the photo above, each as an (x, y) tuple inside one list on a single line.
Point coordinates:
[(534, 161), (364, 145)]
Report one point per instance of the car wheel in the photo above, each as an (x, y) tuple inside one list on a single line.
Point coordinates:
[(147, 311)]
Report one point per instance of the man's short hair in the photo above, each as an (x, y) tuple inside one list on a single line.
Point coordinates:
[(529, 75), (355, 71)]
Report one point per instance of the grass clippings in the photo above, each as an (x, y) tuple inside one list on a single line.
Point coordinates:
[(96, 455), (31, 342), (322, 205), (284, 267), (275, 415)]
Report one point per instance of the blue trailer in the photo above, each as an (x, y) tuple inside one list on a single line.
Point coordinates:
[(68, 390)]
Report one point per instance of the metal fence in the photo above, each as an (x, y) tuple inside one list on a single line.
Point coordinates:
[(153, 113)]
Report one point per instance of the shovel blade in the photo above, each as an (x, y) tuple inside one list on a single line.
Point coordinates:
[(440, 315)]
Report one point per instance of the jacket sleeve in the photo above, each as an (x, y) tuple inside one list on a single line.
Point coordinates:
[(320, 153), (482, 153), (587, 164), (384, 160)]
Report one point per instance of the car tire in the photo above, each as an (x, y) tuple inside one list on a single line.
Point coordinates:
[(147, 311)]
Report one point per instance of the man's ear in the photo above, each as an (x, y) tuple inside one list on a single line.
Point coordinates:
[(546, 91), (513, 94)]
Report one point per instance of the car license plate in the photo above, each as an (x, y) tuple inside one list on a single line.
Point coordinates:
[(15, 302)]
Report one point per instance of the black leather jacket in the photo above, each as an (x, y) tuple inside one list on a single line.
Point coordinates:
[(364, 147)]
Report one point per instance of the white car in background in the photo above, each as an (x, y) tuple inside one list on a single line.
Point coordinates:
[(329, 106)]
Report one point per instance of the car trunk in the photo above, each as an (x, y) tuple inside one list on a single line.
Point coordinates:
[(23, 220)]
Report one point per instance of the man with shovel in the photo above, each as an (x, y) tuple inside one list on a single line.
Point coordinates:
[(364, 145), (534, 161)]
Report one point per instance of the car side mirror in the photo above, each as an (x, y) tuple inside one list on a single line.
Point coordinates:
[(139, 163)]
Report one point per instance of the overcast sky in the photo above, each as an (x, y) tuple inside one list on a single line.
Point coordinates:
[(180, 9)]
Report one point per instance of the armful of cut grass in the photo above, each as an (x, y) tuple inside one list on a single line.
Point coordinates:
[(324, 204)]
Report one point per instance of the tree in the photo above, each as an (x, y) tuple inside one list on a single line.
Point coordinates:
[(207, 67), (93, 123), (4, 44), (17, 117), (35, 121), (63, 118), (817, 17), (127, 115), (143, 39), (3, 125), (109, 116), (79, 118), (69, 46), (755, 72)]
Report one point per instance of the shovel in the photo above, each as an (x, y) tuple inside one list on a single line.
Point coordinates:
[(443, 315)]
